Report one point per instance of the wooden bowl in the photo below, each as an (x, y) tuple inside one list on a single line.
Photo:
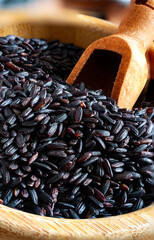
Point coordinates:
[(17, 225)]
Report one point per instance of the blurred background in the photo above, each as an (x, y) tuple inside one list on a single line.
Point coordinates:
[(106, 9)]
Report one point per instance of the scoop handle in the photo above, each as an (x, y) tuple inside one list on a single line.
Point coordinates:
[(138, 22)]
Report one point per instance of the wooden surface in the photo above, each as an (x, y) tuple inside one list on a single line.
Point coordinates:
[(126, 81), (67, 26), (151, 61), (17, 225)]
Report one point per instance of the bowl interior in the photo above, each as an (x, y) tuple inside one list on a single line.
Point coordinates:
[(69, 28)]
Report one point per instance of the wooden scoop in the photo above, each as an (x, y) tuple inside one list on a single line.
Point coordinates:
[(117, 63)]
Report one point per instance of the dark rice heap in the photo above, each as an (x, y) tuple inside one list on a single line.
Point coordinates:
[(67, 151)]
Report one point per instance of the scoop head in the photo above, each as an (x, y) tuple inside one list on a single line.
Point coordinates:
[(116, 65)]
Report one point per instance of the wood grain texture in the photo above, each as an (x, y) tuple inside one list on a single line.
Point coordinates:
[(131, 40), (17, 225)]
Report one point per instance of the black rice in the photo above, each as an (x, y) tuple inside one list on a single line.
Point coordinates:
[(67, 151)]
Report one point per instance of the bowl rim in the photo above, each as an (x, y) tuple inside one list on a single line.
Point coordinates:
[(132, 225), (137, 212)]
